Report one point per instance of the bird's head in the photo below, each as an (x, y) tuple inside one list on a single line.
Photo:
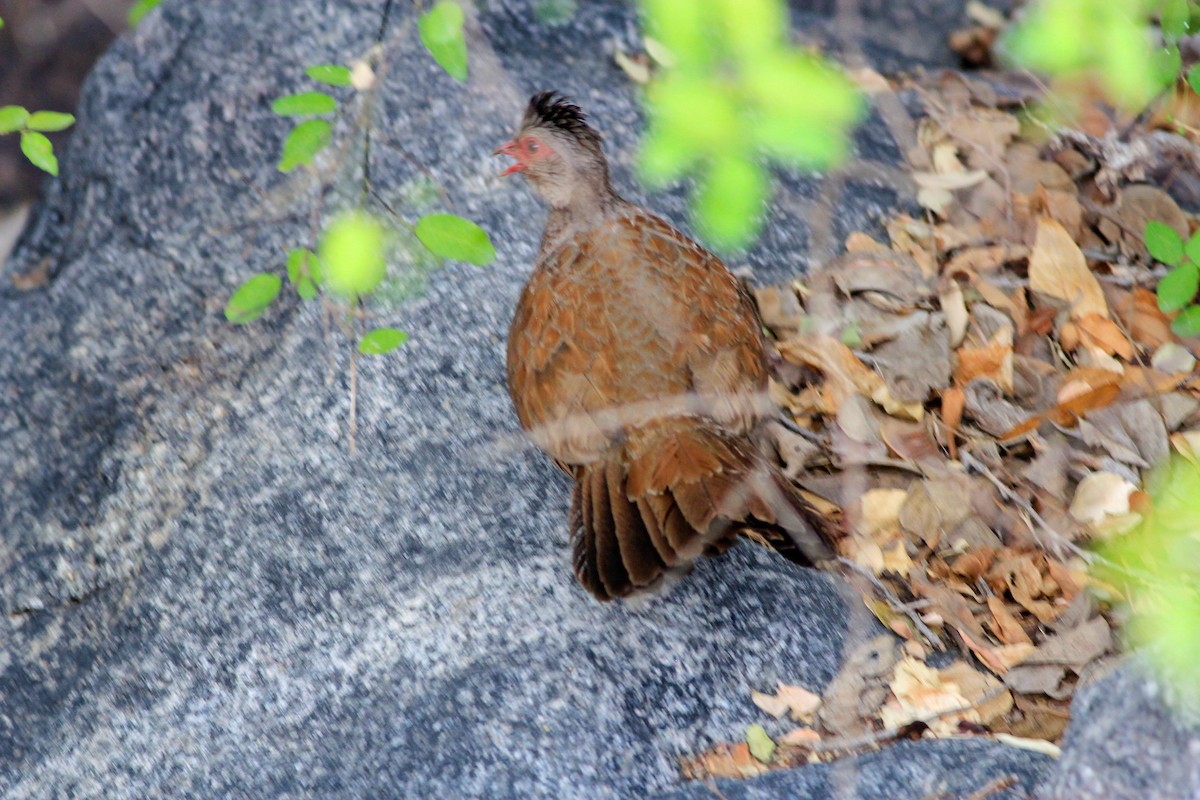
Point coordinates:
[(558, 152)]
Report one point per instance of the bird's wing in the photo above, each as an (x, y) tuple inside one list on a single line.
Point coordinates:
[(719, 337), (625, 323)]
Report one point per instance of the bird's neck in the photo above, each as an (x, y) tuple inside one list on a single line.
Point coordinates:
[(583, 210)]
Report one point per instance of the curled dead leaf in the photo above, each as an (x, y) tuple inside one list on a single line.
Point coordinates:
[(1057, 268)]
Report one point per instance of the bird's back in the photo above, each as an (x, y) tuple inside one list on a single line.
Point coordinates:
[(624, 322)]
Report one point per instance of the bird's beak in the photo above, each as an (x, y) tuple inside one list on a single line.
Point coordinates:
[(509, 149)]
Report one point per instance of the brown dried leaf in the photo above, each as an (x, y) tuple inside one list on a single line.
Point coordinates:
[(908, 440), (800, 737), (800, 702), (953, 400), (1140, 315), (889, 281), (636, 66), (973, 564), (1058, 269), (844, 374), (951, 299), (1132, 433), (995, 361), (769, 703), (1104, 334), (859, 242), (988, 695), (1006, 627), (919, 692), (1138, 204), (1036, 718), (1101, 495), (999, 659), (779, 310), (985, 259), (1066, 413)]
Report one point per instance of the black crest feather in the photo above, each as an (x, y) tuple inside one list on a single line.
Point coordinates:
[(553, 110)]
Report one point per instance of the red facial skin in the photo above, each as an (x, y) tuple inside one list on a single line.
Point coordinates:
[(526, 150)]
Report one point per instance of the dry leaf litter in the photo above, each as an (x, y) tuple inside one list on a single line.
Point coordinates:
[(998, 382)]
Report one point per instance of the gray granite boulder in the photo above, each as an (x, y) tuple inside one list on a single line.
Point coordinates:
[(1127, 741), (205, 596)]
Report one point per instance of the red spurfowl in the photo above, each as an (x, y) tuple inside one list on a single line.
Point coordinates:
[(636, 361)]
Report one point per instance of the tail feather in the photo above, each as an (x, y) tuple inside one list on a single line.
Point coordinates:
[(675, 494), (641, 558), (651, 520), (609, 565), (584, 539)]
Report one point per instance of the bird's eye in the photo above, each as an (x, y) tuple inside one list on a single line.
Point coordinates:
[(533, 146)]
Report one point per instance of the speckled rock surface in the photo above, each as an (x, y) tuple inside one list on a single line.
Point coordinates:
[(205, 596), (1126, 742)]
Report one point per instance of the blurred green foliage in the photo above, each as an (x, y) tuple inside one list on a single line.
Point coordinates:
[(441, 30), (735, 93), (1109, 40), (1157, 567), (140, 9)]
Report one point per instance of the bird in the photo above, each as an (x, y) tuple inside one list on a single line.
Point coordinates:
[(637, 362)]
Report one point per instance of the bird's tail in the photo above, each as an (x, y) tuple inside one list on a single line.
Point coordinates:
[(674, 493)]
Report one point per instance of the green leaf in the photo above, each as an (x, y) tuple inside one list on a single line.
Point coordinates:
[(760, 743), (1178, 287), (294, 105), (1174, 18), (305, 141), (683, 27), (1193, 77), (1191, 248), (140, 9), (332, 74), (380, 341), (1163, 243), (1167, 63), (1187, 324), (304, 272), (352, 255), (441, 30), (39, 151), (851, 335), (49, 121), (451, 236), (12, 118), (729, 205), (252, 298), (751, 26)]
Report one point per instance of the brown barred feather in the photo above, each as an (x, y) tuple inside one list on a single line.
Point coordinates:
[(613, 575), (638, 553)]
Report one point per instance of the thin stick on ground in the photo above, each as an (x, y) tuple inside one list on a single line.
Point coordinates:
[(895, 603), (1058, 543)]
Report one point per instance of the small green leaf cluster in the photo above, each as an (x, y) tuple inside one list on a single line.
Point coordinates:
[(1177, 289), (441, 30), (1105, 38), (33, 128), (140, 9), (733, 93), (312, 135), (1157, 568), (350, 262)]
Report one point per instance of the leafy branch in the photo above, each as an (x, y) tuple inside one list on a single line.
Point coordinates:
[(349, 260)]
